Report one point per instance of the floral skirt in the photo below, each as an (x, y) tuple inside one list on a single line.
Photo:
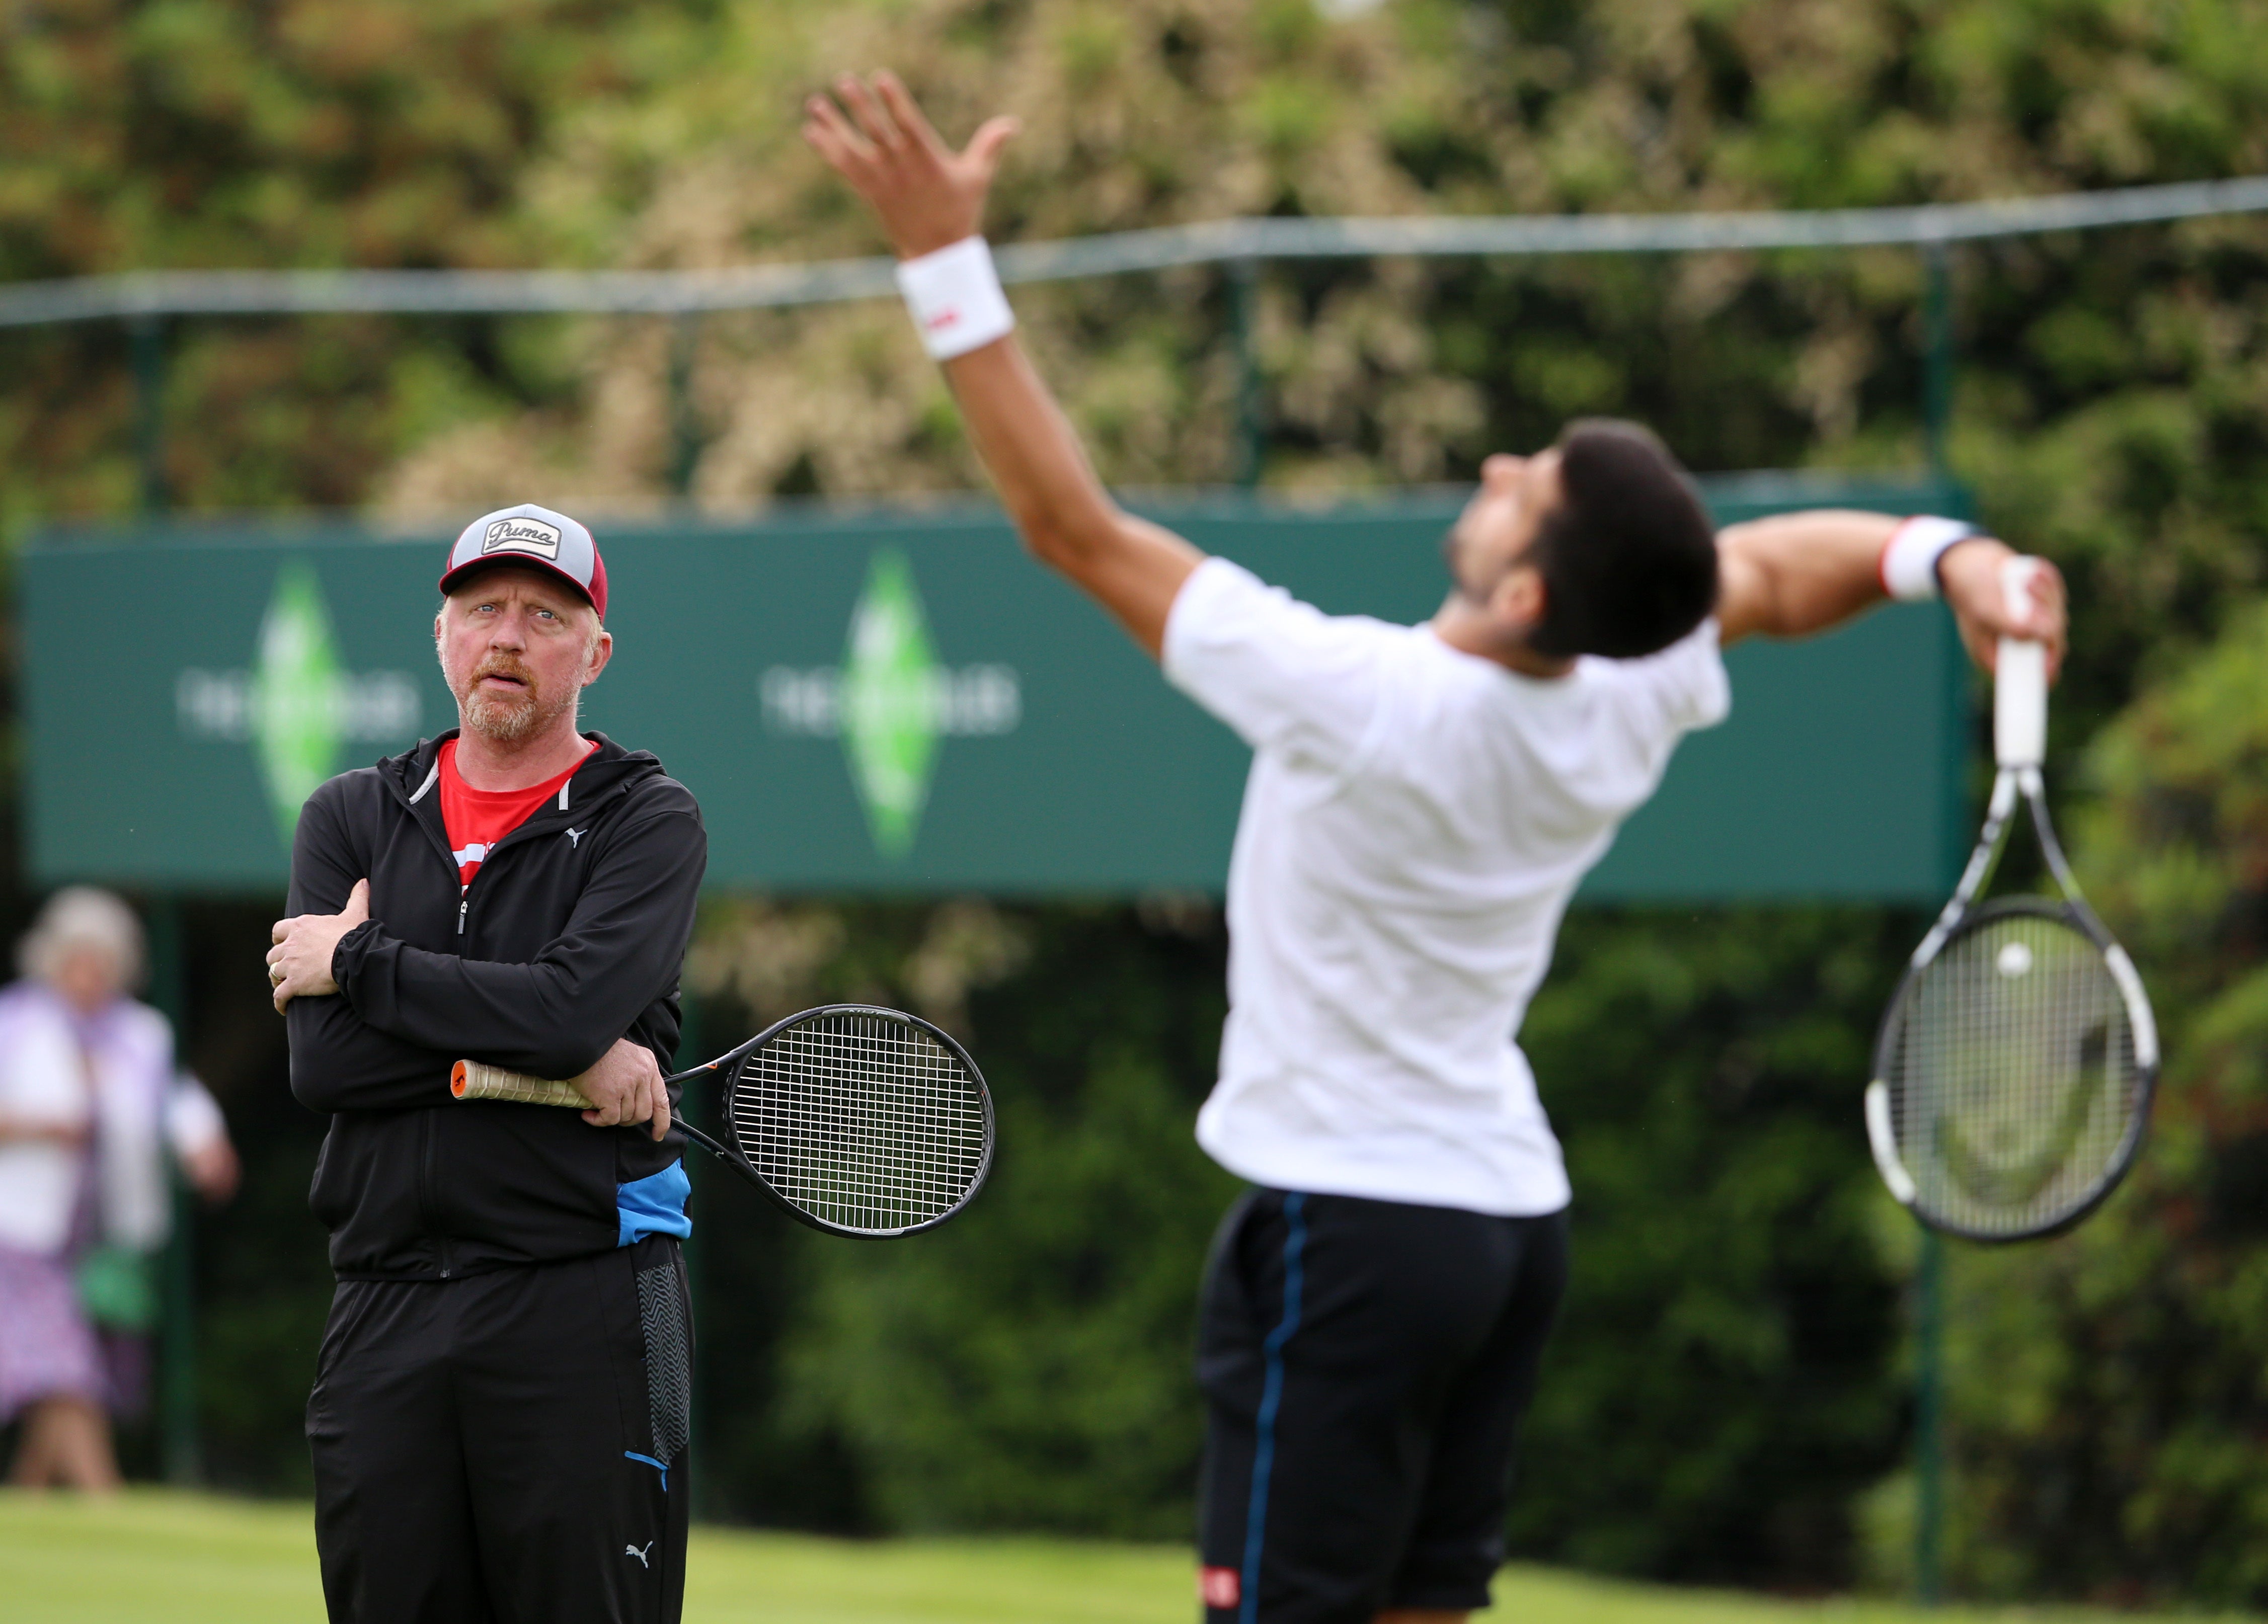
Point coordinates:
[(47, 1347)]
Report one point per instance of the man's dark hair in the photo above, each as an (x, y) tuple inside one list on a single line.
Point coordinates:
[(1628, 557)]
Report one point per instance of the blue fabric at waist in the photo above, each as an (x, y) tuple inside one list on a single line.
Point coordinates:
[(654, 1205)]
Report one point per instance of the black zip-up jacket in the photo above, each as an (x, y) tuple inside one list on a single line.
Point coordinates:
[(570, 936)]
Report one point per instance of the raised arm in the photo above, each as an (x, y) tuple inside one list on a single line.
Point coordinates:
[(339, 1063), (928, 197), (1800, 573)]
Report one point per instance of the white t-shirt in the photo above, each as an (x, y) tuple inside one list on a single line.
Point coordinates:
[(1415, 823)]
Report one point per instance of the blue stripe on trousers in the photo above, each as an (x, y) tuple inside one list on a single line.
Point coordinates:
[(1272, 1395)]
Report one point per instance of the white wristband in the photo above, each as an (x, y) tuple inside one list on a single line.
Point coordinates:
[(954, 296), (1909, 562)]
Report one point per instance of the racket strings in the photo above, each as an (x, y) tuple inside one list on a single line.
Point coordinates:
[(864, 1122), (2013, 1075)]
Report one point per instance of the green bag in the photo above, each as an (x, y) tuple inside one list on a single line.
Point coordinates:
[(117, 1289)]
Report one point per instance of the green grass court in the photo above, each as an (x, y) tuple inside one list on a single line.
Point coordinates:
[(187, 1559)]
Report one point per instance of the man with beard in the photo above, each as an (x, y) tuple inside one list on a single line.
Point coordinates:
[(1423, 801), (498, 1419)]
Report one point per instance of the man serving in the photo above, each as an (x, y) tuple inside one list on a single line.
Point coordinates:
[(1423, 802), (499, 1411)]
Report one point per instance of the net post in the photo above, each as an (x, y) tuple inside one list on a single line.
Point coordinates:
[(182, 1444), (1937, 357), (1929, 1421), (1929, 1285), (1244, 321), (684, 430), (146, 340), (183, 1440)]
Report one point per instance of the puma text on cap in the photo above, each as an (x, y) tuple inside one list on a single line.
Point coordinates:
[(529, 535)]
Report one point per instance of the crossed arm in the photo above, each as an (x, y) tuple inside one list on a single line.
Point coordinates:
[(1786, 576), (412, 1012)]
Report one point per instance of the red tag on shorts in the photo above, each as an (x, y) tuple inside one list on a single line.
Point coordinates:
[(1219, 1587)]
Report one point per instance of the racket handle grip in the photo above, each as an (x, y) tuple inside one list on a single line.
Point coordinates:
[(472, 1079), (2020, 682)]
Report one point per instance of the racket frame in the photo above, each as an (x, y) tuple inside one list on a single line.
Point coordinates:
[(1960, 917), (728, 1150), (730, 1153)]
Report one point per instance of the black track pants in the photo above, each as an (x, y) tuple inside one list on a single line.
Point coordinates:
[(1365, 1365), (507, 1448)]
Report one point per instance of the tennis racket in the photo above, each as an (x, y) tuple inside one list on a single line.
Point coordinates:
[(2015, 1064), (853, 1120)]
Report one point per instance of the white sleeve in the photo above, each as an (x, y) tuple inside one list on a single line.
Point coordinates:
[(1284, 674), (193, 1118), (1684, 687)]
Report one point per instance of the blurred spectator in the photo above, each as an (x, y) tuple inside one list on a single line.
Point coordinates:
[(90, 1105)]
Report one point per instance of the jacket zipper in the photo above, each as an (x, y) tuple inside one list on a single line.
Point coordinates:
[(465, 897), (444, 1245)]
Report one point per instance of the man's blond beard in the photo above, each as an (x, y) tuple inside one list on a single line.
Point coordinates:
[(506, 721)]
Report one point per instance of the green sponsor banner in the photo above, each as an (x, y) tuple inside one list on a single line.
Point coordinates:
[(898, 700)]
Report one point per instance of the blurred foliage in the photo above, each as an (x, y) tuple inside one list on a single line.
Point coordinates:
[(263, 1277), (2108, 1393), (1725, 1387), (2111, 397), (195, 134), (1725, 1384), (1027, 1366)]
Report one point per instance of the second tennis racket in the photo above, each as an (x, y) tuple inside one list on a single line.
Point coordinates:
[(855, 1120)]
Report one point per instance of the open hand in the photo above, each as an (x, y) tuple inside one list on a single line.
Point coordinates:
[(927, 196), (1971, 573), (300, 964), (624, 1088)]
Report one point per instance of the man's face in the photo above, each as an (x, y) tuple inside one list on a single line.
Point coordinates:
[(518, 646), (1492, 536)]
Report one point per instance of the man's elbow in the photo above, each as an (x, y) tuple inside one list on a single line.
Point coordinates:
[(1069, 534), (1055, 541), (570, 1051), (1752, 599)]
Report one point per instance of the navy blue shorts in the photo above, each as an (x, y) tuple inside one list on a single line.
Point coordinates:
[(1365, 1364)]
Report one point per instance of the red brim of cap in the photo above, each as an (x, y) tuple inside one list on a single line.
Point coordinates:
[(594, 594)]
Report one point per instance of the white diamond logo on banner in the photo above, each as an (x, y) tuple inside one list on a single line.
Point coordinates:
[(891, 702), (295, 695), (889, 728), (299, 706)]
